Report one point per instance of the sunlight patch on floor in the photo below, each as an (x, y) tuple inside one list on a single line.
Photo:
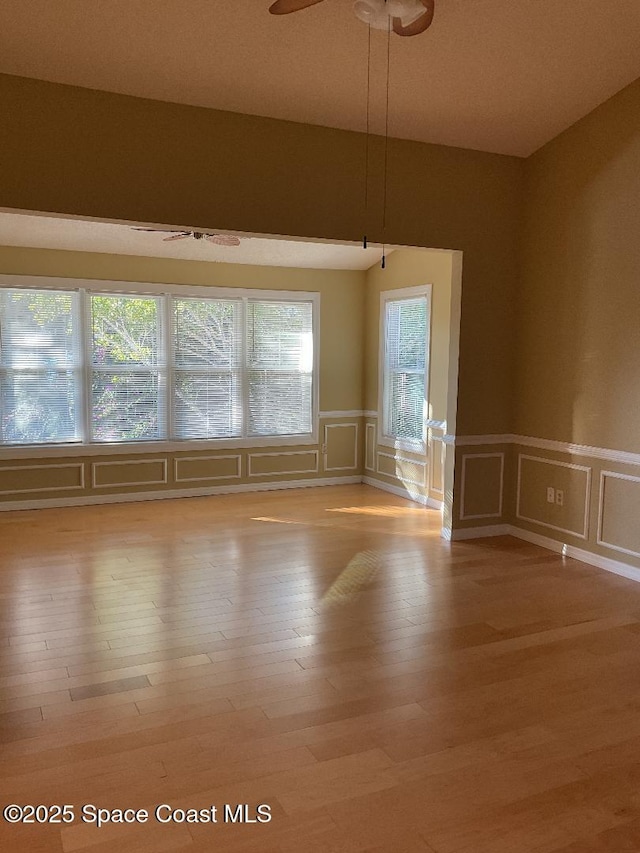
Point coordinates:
[(359, 573), (385, 511), (274, 520)]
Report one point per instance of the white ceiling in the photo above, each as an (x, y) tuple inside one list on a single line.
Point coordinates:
[(495, 75), (46, 232)]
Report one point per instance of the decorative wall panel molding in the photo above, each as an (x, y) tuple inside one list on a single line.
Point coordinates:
[(436, 463), (627, 509), (332, 430), (134, 472), (294, 464), (581, 534), (464, 516), (20, 479), (370, 447), (403, 476), (191, 469)]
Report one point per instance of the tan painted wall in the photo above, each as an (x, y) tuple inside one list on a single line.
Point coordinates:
[(80, 152), (578, 373), (578, 353)]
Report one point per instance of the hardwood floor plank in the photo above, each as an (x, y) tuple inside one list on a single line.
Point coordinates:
[(472, 697)]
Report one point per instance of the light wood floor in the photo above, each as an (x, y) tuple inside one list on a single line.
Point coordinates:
[(324, 652)]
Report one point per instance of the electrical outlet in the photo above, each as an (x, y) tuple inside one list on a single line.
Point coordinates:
[(551, 495), (559, 497)]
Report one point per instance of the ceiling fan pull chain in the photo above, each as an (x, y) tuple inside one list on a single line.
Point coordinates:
[(366, 159), (386, 151)]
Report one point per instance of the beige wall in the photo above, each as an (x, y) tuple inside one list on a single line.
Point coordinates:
[(578, 373), (578, 358), (577, 390), (80, 152)]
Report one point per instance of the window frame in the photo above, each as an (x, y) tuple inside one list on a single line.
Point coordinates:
[(108, 287), (386, 296)]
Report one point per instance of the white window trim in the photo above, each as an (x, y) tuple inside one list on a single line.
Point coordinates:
[(419, 446), (134, 288)]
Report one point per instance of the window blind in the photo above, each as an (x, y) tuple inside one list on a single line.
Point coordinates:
[(207, 350), (127, 403), (405, 367), (39, 366), (280, 367)]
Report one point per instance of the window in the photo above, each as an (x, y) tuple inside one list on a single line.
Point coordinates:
[(207, 347), (126, 383), (280, 361), (405, 322), (88, 366), (39, 367)]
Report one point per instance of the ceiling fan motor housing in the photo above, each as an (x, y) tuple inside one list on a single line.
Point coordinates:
[(376, 13)]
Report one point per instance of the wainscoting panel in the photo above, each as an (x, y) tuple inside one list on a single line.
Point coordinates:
[(535, 475), (482, 486), (341, 443), (147, 472), (402, 468), (193, 469), (436, 466), (618, 512), (370, 447), (285, 462), (28, 479)]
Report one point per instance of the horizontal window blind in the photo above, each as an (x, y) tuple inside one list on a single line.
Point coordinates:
[(207, 340), (39, 367), (405, 367), (280, 367), (127, 400), (79, 366)]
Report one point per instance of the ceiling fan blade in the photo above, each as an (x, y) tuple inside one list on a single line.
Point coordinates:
[(134, 228), (418, 26), (175, 237), (223, 239), (285, 7)]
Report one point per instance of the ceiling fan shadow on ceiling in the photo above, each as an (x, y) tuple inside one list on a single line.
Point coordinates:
[(217, 239), (403, 17)]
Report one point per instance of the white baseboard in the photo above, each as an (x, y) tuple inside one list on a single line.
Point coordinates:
[(600, 562), (168, 494), (132, 497), (462, 533), (402, 493), (597, 560)]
